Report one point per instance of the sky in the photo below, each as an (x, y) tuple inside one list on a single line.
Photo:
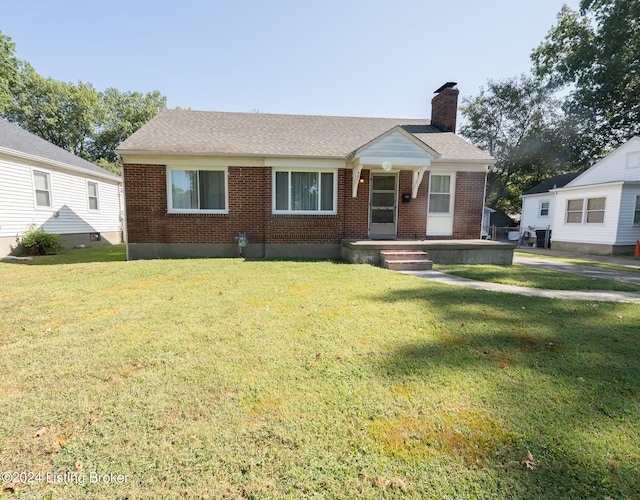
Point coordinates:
[(331, 57)]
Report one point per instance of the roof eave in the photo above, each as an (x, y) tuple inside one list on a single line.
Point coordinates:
[(58, 164)]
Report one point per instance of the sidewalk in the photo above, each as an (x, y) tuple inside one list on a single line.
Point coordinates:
[(632, 276), (592, 295)]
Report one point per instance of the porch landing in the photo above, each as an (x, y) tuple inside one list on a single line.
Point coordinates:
[(440, 251)]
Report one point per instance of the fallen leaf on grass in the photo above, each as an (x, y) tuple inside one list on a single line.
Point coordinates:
[(528, 461)]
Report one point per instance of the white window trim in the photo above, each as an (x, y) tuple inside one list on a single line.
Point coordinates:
[(585, 203), (171, 210), (333, 211), (452, 189), (635, 224), (586, 211), (97, 196), (35, 196), (548, 202)]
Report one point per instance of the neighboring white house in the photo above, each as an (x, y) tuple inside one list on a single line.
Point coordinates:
[(46, 186), (598, 211), (538, 206)]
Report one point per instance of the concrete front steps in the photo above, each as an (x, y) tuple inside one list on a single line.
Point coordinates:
[(405, 260)]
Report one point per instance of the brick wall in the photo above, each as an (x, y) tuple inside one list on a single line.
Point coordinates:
[(468, 205), (250, 210), (412, 216), (356, 210)]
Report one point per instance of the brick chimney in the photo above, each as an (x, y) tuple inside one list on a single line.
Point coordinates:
[(444, 107)]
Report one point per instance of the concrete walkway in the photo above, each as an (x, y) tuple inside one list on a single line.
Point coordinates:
[(530, 259)]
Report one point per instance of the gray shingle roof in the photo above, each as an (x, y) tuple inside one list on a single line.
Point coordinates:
[(258, 134), (556, 181), (15, 138)]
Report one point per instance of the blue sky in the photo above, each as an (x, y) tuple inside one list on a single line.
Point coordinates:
[(330, 57)]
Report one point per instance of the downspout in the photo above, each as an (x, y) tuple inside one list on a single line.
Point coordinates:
[(125, 232)]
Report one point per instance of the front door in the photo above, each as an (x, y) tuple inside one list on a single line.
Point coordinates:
[(382, 206)]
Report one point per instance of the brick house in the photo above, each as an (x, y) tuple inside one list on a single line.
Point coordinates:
[(298, 185)]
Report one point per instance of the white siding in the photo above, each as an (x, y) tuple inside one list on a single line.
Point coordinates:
[(627, 232), (604, 233), (530, 215), (613, 167), (395, 148), (69, 199)]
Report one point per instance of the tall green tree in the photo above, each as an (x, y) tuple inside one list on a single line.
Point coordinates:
[(121, 114), (595, 54), (520, 123), (9, 73), (63, 113)]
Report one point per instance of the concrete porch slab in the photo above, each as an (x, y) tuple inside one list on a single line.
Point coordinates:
[(440, 251)]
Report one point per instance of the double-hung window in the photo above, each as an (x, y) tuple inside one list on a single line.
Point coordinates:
[(595, 210), (439, 194), (588, 211), (305, 192), (574, 211), (636, 214), (197, 191), (544, 209), (92, 190), (42, 186)]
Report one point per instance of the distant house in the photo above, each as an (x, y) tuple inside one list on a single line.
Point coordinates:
[(297, 186), (46, 186), (597, 211), (538, 206)]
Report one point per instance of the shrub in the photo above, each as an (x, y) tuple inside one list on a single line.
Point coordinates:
[(39, 242)]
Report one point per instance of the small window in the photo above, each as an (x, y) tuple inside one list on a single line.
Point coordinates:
[(439, 194), (544, 209), (595, 210), (304, 192), (193, 191), (574, 211), (92, 188), (636, 214), (42, 185)]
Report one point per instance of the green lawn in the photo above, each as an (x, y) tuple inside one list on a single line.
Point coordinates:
[(225, 378), (530, 277)]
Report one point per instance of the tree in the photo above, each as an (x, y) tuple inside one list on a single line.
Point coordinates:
[(520, 123), (594, 53), (121, 114), (75, 117), (9, 74), (64, 114)]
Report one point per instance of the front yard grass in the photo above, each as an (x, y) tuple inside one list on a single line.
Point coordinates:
[(225, 378), (526, 276)]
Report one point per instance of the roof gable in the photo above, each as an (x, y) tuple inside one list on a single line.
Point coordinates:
[(17, 141), (623, 164), (398, 147)]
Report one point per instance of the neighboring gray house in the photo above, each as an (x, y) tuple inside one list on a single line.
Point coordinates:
[(46, 186)]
